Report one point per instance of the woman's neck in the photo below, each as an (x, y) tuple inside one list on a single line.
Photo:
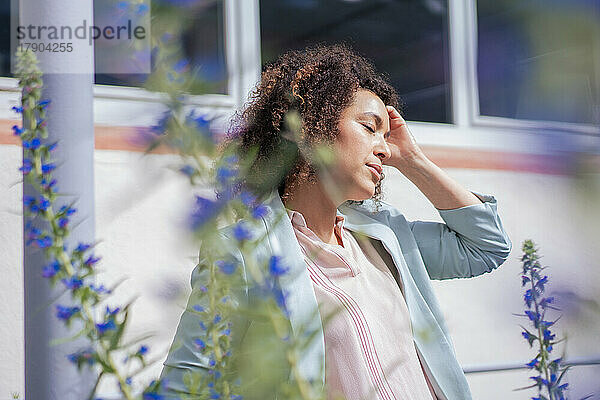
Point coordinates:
[(317, 208)]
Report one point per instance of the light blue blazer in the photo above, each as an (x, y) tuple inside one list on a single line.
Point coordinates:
[(472, 241)]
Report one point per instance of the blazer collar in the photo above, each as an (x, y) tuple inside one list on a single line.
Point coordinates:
[(297, 288)]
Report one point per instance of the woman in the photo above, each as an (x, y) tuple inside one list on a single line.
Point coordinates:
[(389, 341)]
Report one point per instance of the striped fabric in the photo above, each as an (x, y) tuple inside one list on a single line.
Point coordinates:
[(369, 347)]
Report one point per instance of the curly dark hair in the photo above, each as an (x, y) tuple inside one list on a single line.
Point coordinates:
[(317, 82)]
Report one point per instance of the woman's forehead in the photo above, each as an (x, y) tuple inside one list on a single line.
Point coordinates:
[(367, 101), (369, 106)]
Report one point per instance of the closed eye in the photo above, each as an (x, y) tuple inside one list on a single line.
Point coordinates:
[(369, 128)]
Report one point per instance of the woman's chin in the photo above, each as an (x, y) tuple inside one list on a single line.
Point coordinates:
[(364, 194)]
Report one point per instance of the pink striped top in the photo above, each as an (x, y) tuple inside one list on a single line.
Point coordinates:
[(369, 347)]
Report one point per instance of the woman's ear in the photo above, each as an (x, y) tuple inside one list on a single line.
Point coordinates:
[(293, 126)]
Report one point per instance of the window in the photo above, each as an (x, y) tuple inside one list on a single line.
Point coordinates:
[(204, 46), (5, 39), (539, 60), (406, 40)]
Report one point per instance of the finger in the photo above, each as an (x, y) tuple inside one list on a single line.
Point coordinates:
[(396, 120), (393, 112)]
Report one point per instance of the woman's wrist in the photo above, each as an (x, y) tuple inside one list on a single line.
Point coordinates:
[(411, 162)]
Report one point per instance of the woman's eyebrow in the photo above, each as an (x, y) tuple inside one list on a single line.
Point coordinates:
[(378, 120)]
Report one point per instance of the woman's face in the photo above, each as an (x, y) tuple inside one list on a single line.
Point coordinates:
[(360, 147)]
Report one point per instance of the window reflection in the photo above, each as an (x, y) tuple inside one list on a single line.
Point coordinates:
[(204, 47), (539, 60), (5, 39), (408, 40)]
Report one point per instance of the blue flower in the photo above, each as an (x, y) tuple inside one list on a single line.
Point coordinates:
[(62, 222), (33, 234), (276, 268), (160, 127), (198, 308), (241, 232), (226, 267), (81, 247), (187, 170), (27, 166), (259, 211), (181, 66), (217, 319), (142, 9), (43, 104), (533, 316), (279, 297), (18, 110), (200, 123), (106, 326), (67, 210), (33, 144), (44, 242), (110, 312), (142, 350), (30, 203), (548, 335), (204, 211), (224, 174), (532, 363), (540, 284), (528, 297), (247, 198), (48, 185), (91, 260), (51, 269), (46, 168), (545, 301), (65, 313), (73, 283), (44, 203), (199, 343), (87, 356), (202, 326), (17, 131), (153, 396), (99, 289)]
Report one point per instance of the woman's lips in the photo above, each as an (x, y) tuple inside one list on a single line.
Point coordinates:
[(374, 170)]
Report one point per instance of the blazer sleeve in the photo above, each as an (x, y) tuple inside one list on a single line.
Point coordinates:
[(471, 242), (184, 356)]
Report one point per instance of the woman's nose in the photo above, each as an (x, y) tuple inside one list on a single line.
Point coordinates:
[(381, 148)]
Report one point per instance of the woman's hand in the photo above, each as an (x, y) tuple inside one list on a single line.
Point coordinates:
[(403, 146)]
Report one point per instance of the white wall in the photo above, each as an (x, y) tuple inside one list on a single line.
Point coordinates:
[(141, 204), (561, 219)]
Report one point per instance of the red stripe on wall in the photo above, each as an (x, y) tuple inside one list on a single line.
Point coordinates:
[(128, 139)]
